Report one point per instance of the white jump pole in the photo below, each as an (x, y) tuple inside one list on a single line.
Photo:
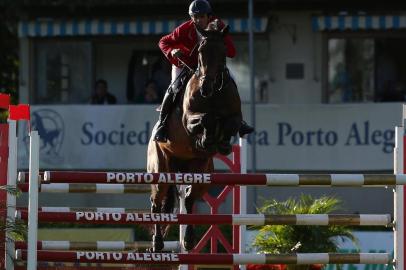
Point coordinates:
[(398, 166), (243, 196), (11, 181), (182, 228), (33, 202)]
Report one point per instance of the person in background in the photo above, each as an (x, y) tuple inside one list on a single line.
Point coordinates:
[(180, 47), (161, 74), (101, 94), (137, 76), (150, 95)]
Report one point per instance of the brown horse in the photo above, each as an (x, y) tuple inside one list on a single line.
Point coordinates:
[(207, 116)]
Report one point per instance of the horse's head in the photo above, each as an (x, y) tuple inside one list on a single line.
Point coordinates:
[(212, 57)]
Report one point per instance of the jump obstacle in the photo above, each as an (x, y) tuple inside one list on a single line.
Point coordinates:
[(225, 179), (247, 219), (98, 245), (356, 180), (213, 234), (209, 259)]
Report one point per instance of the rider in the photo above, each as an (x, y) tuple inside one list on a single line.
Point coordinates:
[(180, 47)]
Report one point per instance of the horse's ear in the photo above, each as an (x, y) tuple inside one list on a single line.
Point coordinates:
[(225, 30)]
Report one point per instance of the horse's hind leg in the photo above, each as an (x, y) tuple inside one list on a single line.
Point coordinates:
[(192, 193), (159, 191), (189, 239)]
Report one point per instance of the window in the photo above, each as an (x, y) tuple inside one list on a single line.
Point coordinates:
[(62, 72), (366, 70), (240, 69)]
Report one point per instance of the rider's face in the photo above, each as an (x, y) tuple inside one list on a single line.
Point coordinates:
[(200, 20)]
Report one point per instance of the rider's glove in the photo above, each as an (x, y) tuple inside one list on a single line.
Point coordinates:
[(176, 53)]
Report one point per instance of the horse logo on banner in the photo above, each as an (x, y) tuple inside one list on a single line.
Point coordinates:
[(51, 130)]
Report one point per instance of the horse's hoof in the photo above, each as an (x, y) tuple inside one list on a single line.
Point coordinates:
[(189, 239), (157, 244), (224, 149), (188, 245)]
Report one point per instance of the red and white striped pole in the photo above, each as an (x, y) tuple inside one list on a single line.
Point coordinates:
[(169, 246), (212, 219), (231, 179), (207, 259)]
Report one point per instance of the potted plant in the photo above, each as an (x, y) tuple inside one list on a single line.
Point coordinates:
[(282, 239), (10, 230)]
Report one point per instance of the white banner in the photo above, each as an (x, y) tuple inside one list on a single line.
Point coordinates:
[(288, 137)]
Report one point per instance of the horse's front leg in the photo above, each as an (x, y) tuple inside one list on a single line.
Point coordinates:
[(194, 124), (207, 141)]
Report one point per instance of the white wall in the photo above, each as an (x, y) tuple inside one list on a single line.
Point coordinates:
[(305, 49)]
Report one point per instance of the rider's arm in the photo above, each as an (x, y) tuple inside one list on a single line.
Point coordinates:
[(174, 41), (167, 44)]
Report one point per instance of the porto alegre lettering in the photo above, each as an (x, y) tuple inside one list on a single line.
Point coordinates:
[(319, 137), (128, 217), (131, 256), (358, 134), (282, 134), (365, 135), (165, 178)]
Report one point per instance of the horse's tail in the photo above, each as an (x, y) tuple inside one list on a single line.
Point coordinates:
[(169, 204)]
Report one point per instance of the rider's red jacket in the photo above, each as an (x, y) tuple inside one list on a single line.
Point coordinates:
[(184, 37)]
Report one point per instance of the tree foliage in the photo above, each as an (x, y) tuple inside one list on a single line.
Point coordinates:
[(9, 62), (9, 47)]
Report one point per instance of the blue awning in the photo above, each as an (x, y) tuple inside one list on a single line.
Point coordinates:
[(64, 28), (358, 22)]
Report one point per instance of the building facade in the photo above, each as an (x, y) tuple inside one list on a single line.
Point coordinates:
[(329, 81)]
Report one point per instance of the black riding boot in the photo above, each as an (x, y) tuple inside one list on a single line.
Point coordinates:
[(245, 129), (161, 134)]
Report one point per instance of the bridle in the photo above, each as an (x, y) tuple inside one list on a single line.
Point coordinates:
[(217, 79)]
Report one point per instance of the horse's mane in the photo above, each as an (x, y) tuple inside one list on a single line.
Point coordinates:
[(213, 26)]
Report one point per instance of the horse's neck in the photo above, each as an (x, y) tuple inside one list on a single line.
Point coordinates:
[(193, 101)]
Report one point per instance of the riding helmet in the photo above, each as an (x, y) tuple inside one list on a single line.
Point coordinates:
[(199, 7)]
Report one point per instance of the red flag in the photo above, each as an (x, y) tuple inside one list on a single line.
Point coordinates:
[(4, 101), (19, 112)]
